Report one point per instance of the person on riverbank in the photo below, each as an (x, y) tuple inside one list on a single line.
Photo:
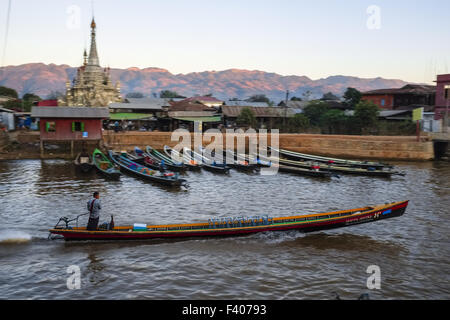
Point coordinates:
[(94, 207)]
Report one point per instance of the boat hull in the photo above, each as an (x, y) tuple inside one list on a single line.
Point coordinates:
[(327, 221), (305, 172), (159, 180)]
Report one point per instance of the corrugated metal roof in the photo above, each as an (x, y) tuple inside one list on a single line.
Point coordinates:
[(207, 99), (241, 103), (141, 104), (408, 89), (269, 112), (190, 106), (70, 112), (201, 119), (175, 114), (131, 116)]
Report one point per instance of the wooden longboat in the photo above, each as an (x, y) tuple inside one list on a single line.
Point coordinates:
[(143, 172), (144, 159), (207, 164), (241, 226), (84, 162), (239, 164), (332, 161), (305, 172), (156, 155), (104, 166), (188, 162), (342, 170)]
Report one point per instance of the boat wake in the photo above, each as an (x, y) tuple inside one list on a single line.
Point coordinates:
[(14, 237), (277, 237)]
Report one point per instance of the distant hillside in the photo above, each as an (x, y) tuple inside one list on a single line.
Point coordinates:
[(42, 79)]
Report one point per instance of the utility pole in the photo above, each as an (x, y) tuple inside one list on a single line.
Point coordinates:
[(285, 109)]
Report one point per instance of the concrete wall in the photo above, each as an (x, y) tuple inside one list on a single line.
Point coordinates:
[(357, 147)]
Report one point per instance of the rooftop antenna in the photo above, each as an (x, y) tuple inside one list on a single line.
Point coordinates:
[(8, 14)]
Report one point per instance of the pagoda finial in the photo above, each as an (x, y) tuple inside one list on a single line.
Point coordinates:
[(93, 55), (85, 57)]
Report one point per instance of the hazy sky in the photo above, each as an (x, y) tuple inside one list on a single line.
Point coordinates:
[(408, 40)]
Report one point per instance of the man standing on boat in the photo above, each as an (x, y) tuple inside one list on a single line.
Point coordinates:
[(94, 207)]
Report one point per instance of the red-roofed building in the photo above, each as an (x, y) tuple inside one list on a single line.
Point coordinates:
[(47, 103), (391, 99)]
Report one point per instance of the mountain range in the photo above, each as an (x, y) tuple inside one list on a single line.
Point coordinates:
[(43, 79)]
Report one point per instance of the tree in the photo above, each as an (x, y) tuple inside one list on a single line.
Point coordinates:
[(259, 98), (296, 99), (134, 95), (329, 96), (13, 105), (366, 115), (5, 91), (28, 100), (31, 97), (299, 122), (352, 97), (307, 95), (333, 120), (246, 118), (314, 110), (167, 94)]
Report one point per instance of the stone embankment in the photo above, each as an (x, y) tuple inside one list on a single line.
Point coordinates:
[(402, 148), (25, 145)]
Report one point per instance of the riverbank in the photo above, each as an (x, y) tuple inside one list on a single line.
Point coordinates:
[(25, 145), (394, 148)]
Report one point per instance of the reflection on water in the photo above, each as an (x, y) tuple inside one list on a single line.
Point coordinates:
[(412, 251)]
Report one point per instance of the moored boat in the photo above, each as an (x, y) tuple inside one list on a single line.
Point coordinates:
[(84, 162), (166, 178), (233, 161), (187, 161), (207, 164), (104, 166), (311, 172), (384, 173), (167, 161), (239, 225), (331, 161)]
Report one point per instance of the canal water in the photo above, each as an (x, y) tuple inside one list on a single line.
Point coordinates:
[(412, 251)]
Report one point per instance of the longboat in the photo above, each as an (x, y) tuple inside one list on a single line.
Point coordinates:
[(146, 160), (188, 162), (239, 164), (384, 173), (207, 164), (311, 172), (84, 162), (238, 226), (167, 161), (331, 161), (104, 166), (165, 178)]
